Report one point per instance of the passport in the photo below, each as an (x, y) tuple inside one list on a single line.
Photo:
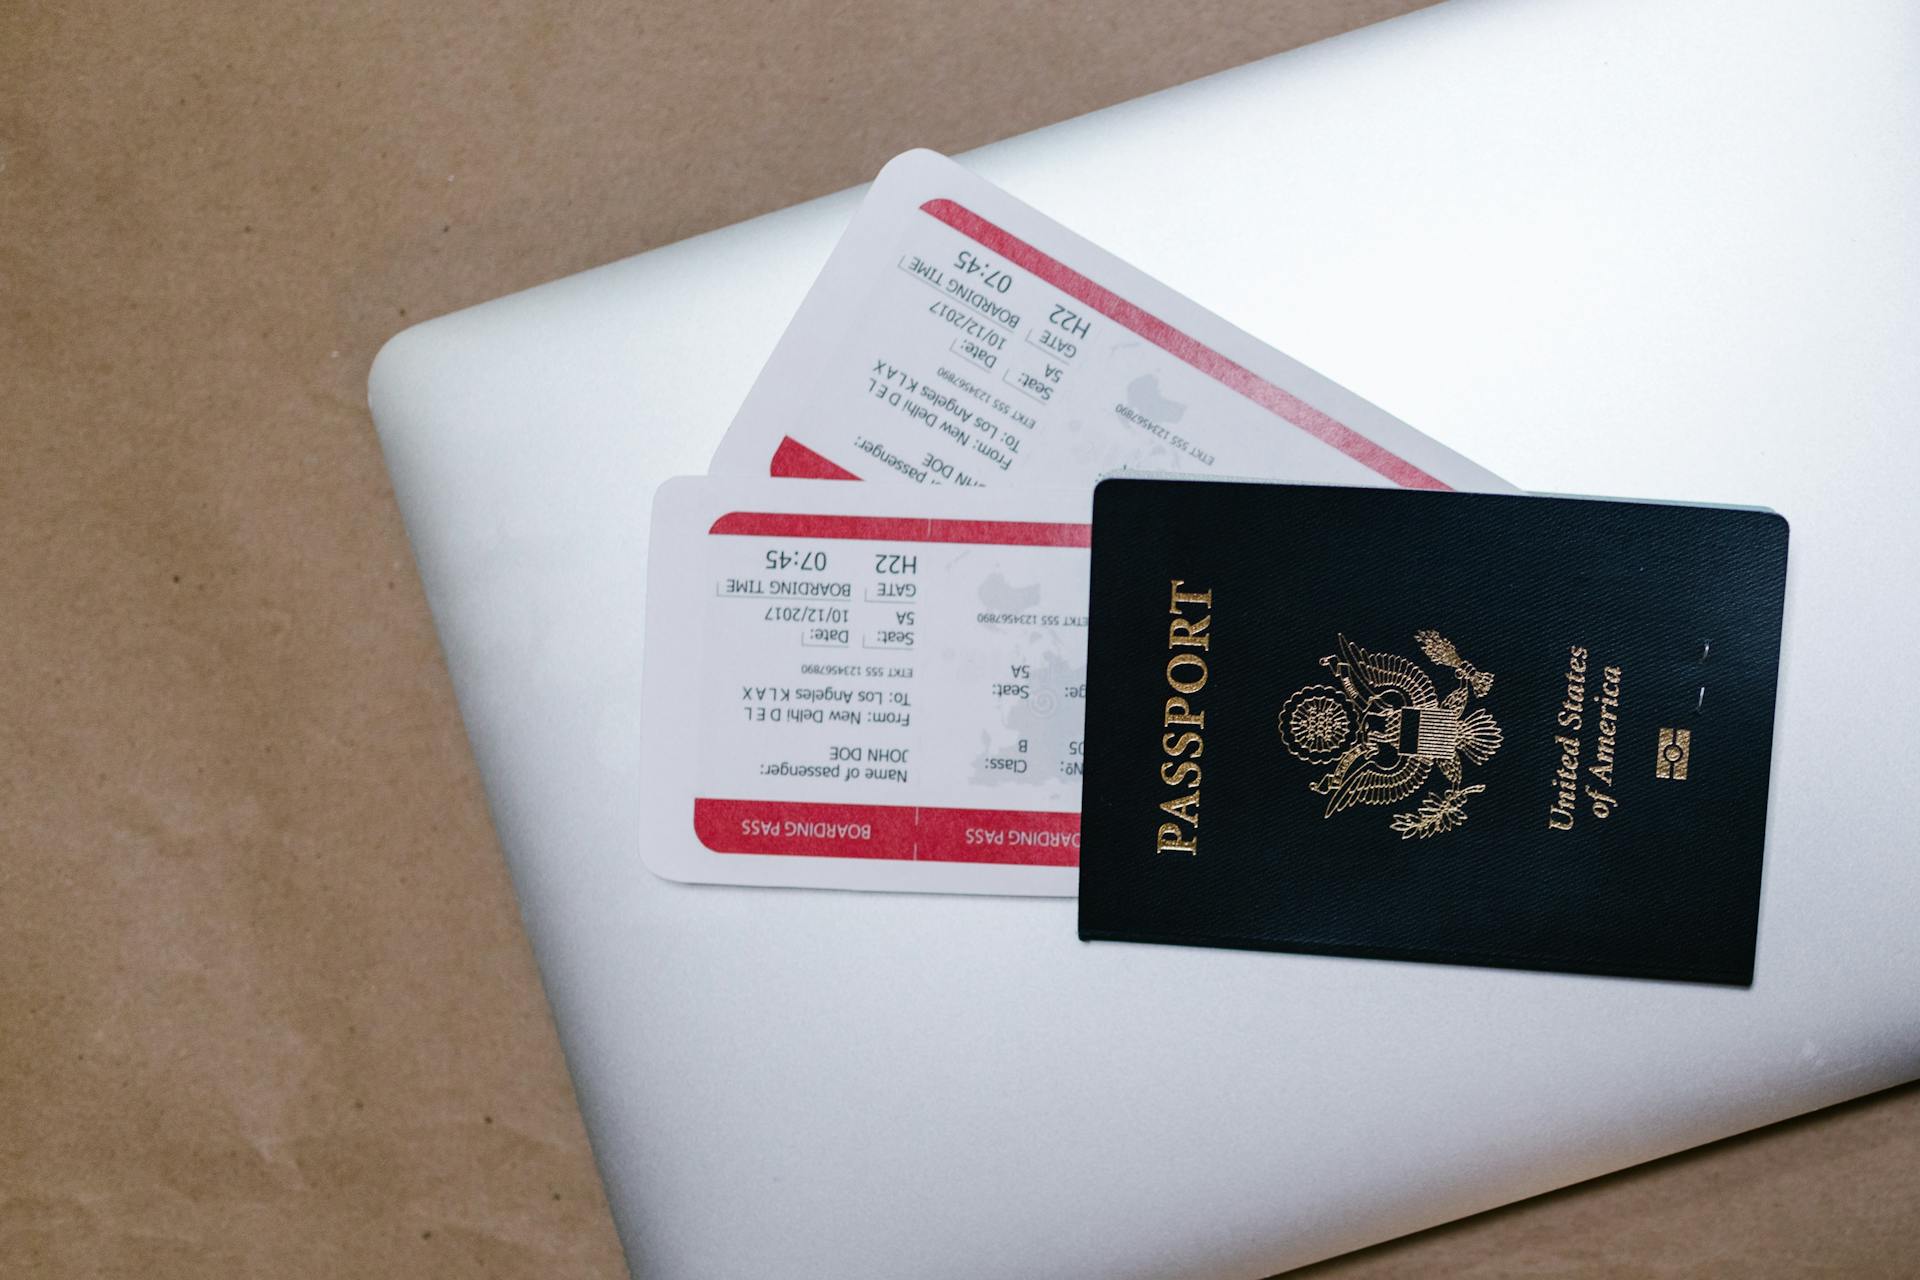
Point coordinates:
[(1529, 732)]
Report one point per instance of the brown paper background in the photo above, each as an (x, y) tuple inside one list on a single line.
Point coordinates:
[(265, 1004)]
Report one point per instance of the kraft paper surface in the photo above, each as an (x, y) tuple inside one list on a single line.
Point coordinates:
[(266, 1008)]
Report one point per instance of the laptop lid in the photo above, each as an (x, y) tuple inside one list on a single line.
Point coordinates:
[(1541, 234)]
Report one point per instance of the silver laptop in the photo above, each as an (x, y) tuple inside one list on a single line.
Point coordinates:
[(1650, 249)]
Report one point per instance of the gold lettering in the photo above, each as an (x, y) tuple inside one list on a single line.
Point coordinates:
[(1179, 746), (1188, 597), (1186, 807), (1169, 840), (1185, 774), (1568, 716), (1609, 704), (1566, 784), (1185, 715), (1186, 674), (1187, 660), (1182, 633)]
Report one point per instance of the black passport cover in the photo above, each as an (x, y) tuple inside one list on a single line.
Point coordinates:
[(1478, 729)]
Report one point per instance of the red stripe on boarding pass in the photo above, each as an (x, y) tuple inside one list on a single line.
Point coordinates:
[(998, 533), (905, 833), (1283, 404), (1001, 836), (793, 459)]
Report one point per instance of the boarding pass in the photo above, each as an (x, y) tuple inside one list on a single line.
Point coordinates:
[(957, 336), (865, 686)]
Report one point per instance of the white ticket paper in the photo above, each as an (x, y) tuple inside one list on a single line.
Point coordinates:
[(864, 686), (957, 336)]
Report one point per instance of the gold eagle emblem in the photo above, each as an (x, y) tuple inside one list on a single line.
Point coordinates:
[(1384, 729)]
